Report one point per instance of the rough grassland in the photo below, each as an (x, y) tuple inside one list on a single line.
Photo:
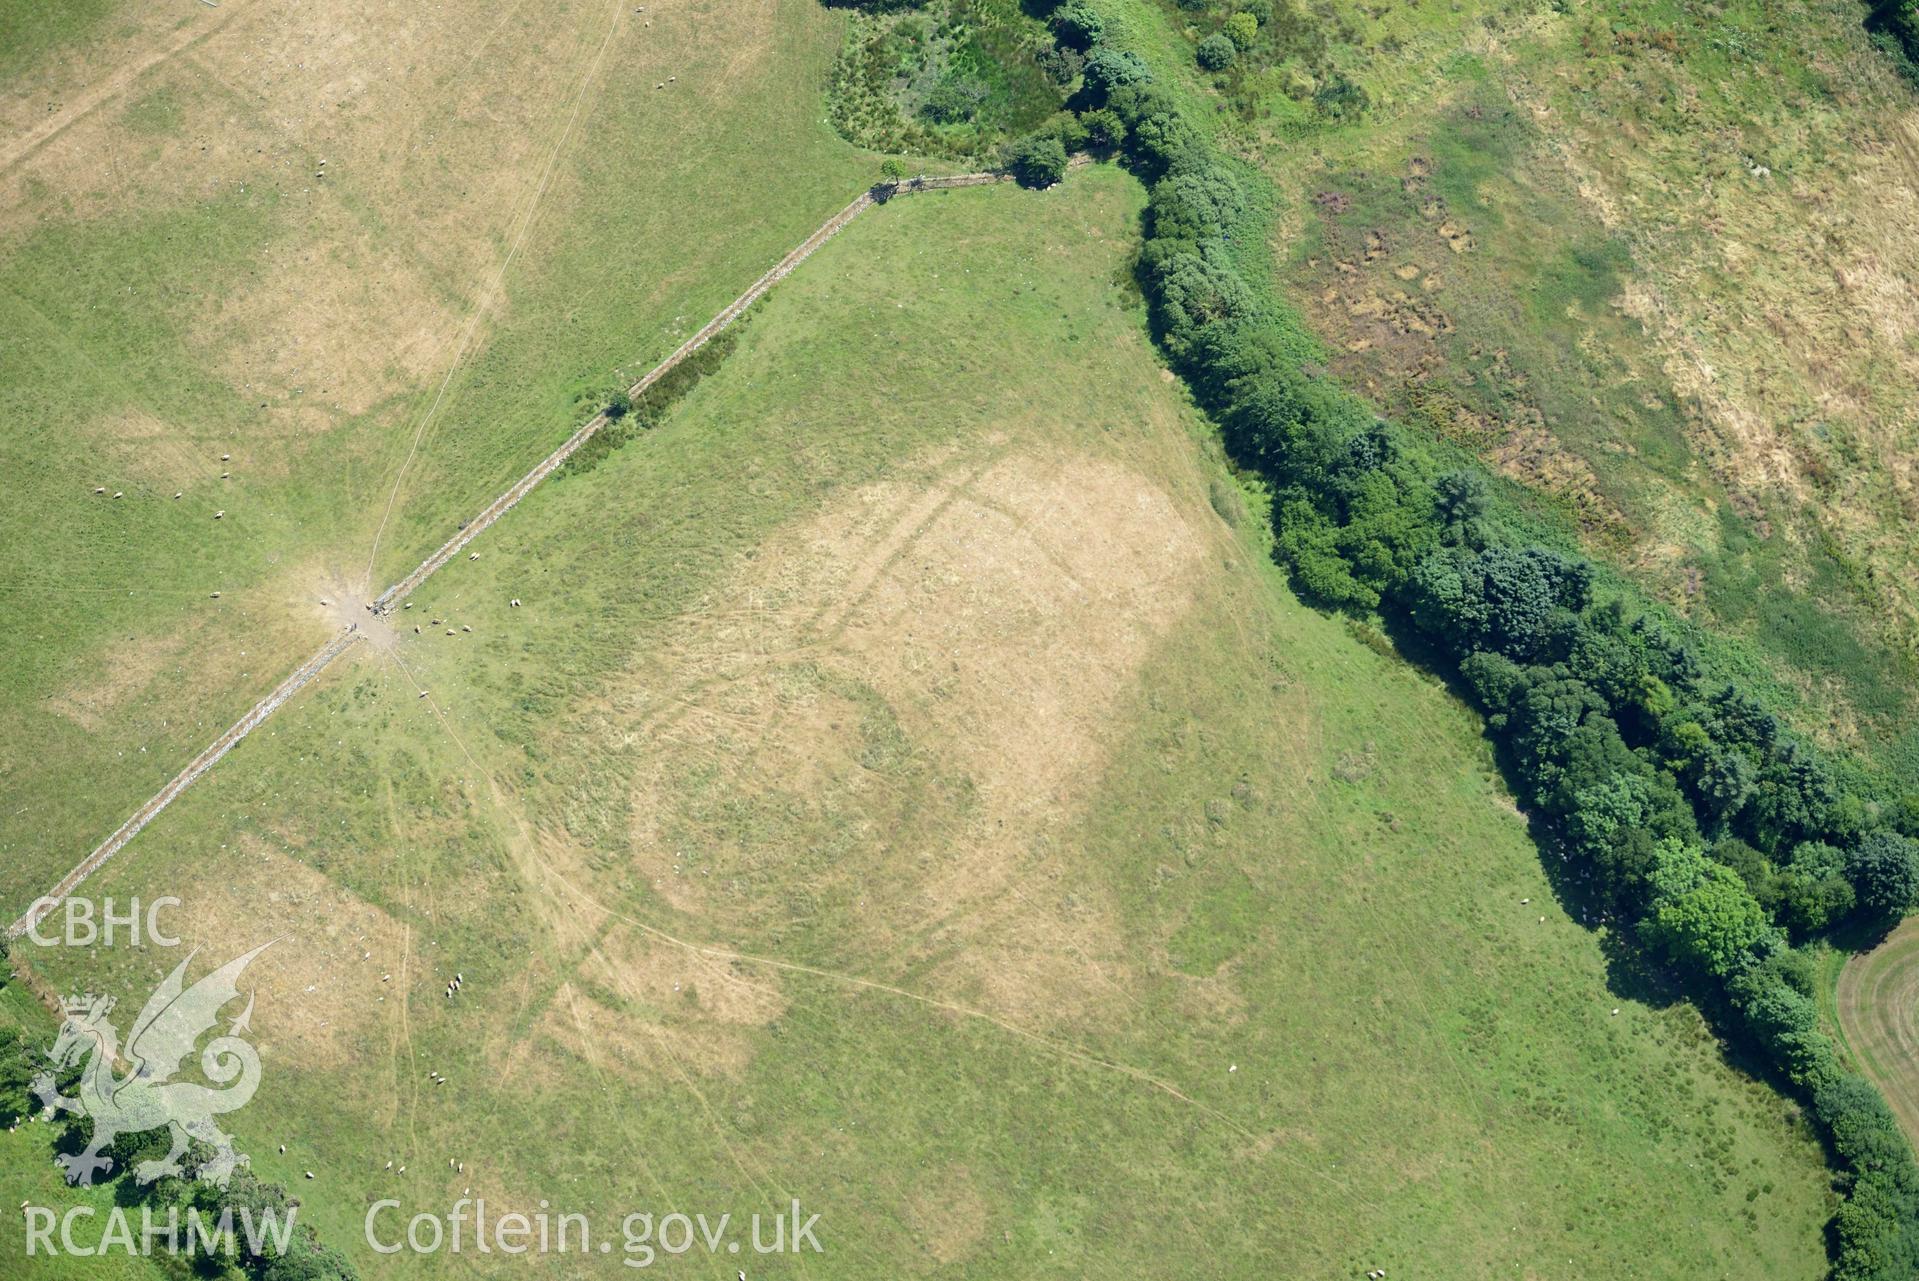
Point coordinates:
[(907, 787), (1653, 259), (510, 213)]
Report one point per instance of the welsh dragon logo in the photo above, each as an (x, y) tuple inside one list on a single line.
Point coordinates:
[(146, 1097)]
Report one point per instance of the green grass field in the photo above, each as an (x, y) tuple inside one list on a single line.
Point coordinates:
[(190, 309), (907, 786)]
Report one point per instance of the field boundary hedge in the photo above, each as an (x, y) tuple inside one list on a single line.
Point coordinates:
[(1684, 810)]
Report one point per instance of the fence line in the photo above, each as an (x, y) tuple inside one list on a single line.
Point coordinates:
[(199, 765), (500, 506)]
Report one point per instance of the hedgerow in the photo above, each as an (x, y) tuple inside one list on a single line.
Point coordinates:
[(1711, 834)]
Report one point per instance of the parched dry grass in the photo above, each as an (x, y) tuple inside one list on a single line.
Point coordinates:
[(648, 1012), (334, 974), (932, 676), (1656, 265), (947, 1216), (335, 326), (92, 699), (397, 145), (134, 443), (71, 82)]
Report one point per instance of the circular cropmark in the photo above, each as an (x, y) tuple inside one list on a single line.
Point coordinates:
[(1876, 1002)]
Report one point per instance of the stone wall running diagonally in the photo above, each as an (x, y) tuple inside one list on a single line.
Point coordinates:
[(552, 462), (199, 765), (468, 532)]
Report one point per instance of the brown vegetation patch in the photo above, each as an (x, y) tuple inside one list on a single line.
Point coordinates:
[(1404, 337), (1775, 283), (330, 325), (640, 1007), (1457, 238), (946, 1215), (125, 670), (320, 997), (624, 1019), (395, 174), (62, 90), (687, 988), (152, 685), (146, 450), (1532, 454), (903, 706), (205, 145)]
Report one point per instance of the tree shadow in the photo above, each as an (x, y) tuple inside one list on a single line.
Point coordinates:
[(1857, 934)]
